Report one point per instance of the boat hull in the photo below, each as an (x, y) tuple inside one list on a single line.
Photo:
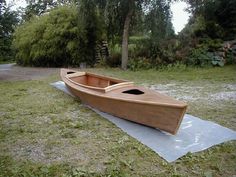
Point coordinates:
[(164, 117)]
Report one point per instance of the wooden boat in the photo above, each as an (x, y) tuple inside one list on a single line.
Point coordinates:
[(125, 100)]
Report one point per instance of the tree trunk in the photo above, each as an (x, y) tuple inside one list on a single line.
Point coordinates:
[(125, 38)]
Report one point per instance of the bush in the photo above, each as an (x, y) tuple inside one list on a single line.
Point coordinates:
[(139, 46), (49, 40), (139, 63), (202, 57), (211, 44), (230, 58), (114, 59), (138, 40), (208, 52), (199, 57), (55, 39), (144, 53)]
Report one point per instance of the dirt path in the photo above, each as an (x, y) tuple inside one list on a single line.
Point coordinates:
[(12, 72)]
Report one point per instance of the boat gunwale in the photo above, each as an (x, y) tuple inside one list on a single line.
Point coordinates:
[(71, 84)]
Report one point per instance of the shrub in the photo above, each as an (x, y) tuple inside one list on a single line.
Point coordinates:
[(208, 52), (199, 57), (230, 58), (202, 57), (139, 63), (216, 60), (138, 40), (55, 39), (114, 59), (139, 46), (49, 40)]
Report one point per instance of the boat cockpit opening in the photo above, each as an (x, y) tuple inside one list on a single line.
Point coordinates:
[(70, 72), (134, 92), (92, 81)]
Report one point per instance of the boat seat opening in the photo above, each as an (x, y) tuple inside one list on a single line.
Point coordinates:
[(134, 92), (70, 72), (92, 81), (113, 83)]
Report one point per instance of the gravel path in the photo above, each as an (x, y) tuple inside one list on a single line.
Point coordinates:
[(13, 72), (196, 92)]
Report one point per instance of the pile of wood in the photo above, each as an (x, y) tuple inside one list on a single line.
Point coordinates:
[(227, 48), (102, 51)]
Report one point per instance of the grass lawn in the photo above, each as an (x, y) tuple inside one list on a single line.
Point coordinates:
[(44, 132)]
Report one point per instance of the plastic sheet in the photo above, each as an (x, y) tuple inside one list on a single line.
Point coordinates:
[(194, 134)]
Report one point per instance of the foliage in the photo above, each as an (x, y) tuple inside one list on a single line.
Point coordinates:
[(148, 16), (42, 40), (36, 7), (203, 57), (92, 27), (73, 36), (62, 37), (216, 60), (39, 7), (230, 57), (8, 21), (155, 18), (114, 13), (139, 47), (139, 50), (199, 57), (158, 21), (114, 60), (96, 20), (138, 40), (209, 52), (218, 17), (139, 63), (157, 54), (178, 66), (212, 44), (202, 40)]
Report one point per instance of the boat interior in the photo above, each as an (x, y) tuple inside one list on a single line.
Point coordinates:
[(97, 82), (91, 80)]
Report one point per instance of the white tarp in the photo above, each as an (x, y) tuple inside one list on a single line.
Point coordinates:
[(194, 134)]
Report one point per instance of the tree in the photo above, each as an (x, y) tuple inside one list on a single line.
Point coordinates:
[(89, 16), (39, 7), (219, 17), (124, 59), (8, 21), (226, 17), (122, 13), (118, 15), (64, 36), (158, 20), (119, 19), (50, 40)]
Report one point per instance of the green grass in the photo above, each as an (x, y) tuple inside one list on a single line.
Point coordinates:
[(44, 132), (212, 74)]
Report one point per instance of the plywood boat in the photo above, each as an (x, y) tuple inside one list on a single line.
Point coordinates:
[(125, 100)]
